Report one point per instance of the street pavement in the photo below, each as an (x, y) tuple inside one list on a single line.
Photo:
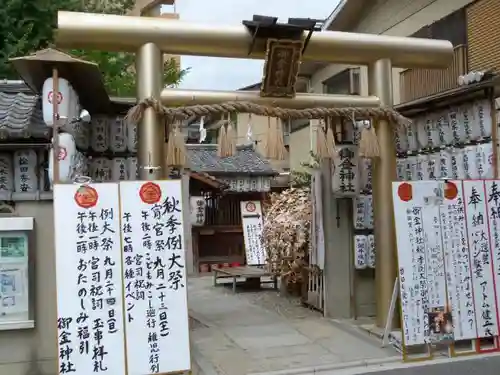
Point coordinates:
[(260, 332), (473, 365)]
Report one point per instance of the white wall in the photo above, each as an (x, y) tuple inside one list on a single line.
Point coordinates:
[(396, 18)]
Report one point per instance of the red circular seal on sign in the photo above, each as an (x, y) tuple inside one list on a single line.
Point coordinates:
[(250, 207), (86, 197), (62, 153), (51, 95), (405, 192), (450, 191), (150, 193)]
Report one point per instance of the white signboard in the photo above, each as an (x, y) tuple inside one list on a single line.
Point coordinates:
[(251, 215), (154, 272), (436, 281), (458, 265), (483, 283), (89, 279), (411, 241), (470, 253), (492, 188)]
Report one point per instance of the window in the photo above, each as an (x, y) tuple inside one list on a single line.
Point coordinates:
[(297, 124), (453, 27), (15, 309), (346, 82)]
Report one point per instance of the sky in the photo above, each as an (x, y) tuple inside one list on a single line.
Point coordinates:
[(208, 73)]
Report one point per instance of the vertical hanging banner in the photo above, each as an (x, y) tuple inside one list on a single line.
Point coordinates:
[(483, 282), (410, 205), (457, 258), (460, 221), (154, 273), (251, 217), (89, 279), (492, 191)]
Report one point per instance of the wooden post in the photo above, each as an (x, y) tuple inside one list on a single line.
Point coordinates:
[(188, 227), (328, 225), (55, 126), (494, 131)]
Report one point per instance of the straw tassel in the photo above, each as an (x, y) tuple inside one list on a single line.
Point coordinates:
[(270, 143), (321, 144), (368, 144), (330, 139), (230, 140), (279, 146), (176, 149), (221, 142)]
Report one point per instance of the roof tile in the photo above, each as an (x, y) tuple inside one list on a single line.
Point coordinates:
[(21, 111), (247, 161)]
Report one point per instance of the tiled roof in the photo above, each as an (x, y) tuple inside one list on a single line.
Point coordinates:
[(14, 87), (247, 161), (20, 111)]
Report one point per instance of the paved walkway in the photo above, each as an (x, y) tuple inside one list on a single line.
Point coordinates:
[(261, 332)]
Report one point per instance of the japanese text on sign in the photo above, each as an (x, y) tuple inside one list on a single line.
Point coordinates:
[(251, 215), (89, 288), (156, 315), (468, 221)]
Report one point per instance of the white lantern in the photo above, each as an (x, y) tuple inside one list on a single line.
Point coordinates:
[(6, 176), (118, 135), (132, 168), (119, 169), (66, 158), (482, 118), (99, 138), (63, 100), (131, 136), (101, 169), (345, 179), (360, 252)]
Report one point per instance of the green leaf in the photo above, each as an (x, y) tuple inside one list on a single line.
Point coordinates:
[(28, 26)]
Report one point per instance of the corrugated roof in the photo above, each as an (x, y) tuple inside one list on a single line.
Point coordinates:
[(247, 161)]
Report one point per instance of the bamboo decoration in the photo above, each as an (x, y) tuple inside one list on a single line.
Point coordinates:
[(368, 143), (176, 148)]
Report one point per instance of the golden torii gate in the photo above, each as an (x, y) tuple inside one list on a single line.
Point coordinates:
[(150, 37)]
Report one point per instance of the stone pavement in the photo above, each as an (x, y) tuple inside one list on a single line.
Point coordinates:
[(261, 332), (487, 364)]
